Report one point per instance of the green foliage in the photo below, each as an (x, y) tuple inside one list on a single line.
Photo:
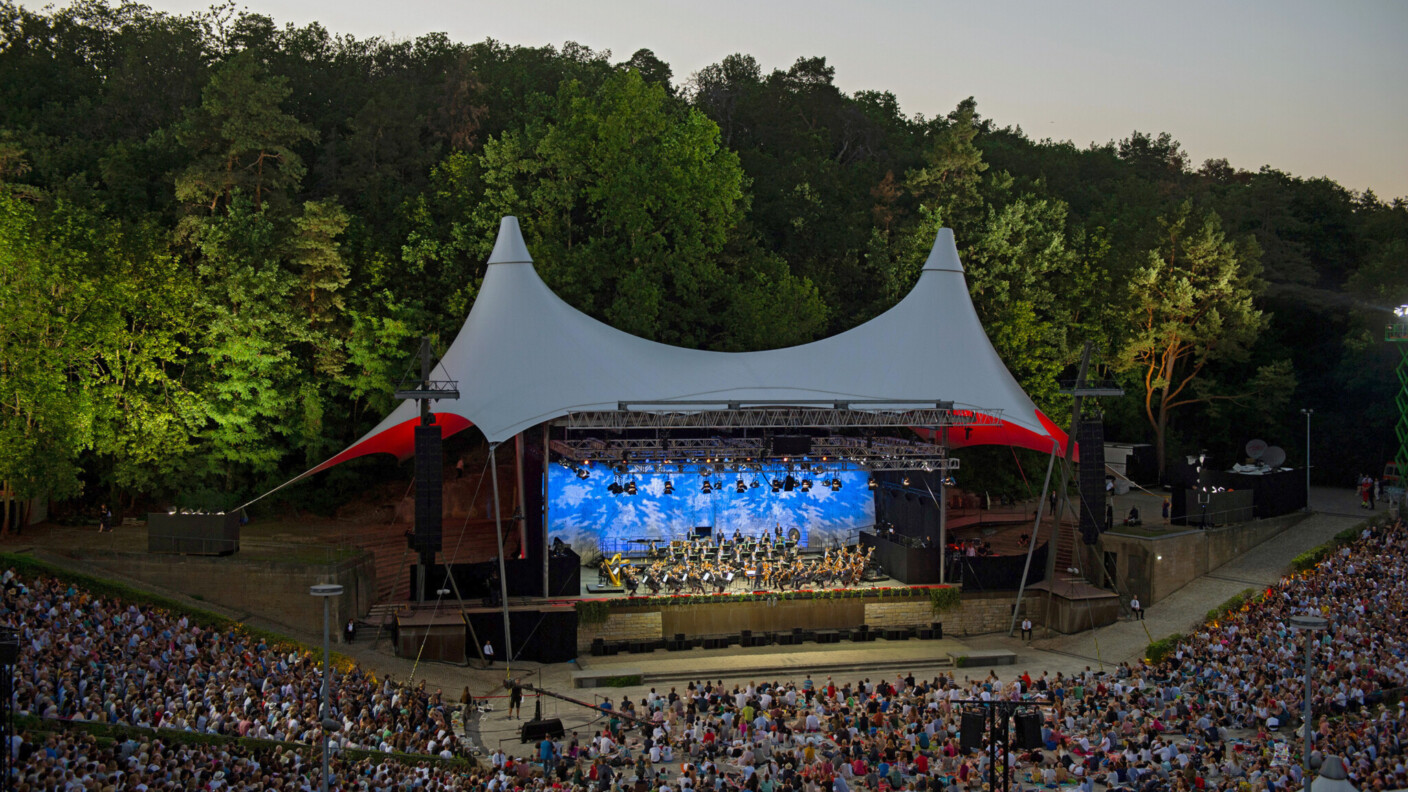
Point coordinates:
[(1157, 651), (1194, 307), (221, 235), (626, 680), (945, 598), (592, 611), (1233, 603)]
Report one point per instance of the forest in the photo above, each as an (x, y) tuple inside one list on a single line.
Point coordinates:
[(221, 238)]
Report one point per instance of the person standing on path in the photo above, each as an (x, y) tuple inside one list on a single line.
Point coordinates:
[(515, 701), (104, 519), (488, 654), (1134, 606)]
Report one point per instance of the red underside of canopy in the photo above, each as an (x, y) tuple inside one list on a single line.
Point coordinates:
[(1007, 434), (399, 440)]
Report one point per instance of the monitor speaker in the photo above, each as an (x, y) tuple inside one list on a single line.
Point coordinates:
[(1029, 730), (537, 730), (970, 735)]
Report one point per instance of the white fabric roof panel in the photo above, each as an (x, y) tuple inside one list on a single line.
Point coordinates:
[(524, 356)]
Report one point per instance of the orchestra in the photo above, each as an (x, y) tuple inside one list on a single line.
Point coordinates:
[(701, 565)]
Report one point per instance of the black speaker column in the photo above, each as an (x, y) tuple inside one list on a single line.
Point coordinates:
[(1090, 433), (430, 492), (970, 735), (1029, 730)]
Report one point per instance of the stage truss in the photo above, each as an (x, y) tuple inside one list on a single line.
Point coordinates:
[(858, 414), (584, 445)]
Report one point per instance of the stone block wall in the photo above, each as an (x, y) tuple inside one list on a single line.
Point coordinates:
[(899, 613), (621, 626)]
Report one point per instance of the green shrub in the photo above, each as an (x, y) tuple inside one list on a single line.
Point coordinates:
[(627, 680), (945, 598), (1162, 648), (1234, 603), (592, 611)]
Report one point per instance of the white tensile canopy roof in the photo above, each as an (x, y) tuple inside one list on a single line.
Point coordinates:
[(524, 356)]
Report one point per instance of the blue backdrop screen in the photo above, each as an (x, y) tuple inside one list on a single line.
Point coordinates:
[(583, 513)]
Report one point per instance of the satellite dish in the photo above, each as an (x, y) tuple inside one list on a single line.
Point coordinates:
[(1274, 456), (1256, 448), (1121, 487)]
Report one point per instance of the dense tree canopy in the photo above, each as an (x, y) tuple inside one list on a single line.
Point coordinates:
[(220, 237)]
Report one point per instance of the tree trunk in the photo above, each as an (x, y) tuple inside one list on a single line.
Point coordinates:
[(1160, 435)]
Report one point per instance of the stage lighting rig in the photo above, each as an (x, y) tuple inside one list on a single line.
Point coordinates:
[(631, 487), (836, 484), (741, 487), (669, 487), (707, 488)]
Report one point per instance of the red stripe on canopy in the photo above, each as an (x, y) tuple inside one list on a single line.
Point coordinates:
[(1005, 433), (399, 440)]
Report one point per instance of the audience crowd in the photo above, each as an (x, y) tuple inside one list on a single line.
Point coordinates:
[(1220, 713)]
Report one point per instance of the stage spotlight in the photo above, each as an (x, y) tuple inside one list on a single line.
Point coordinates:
[(949, 482), (836, 484), (583, 474), (669, 487), (905, 481), (871, 483), (776, 484), (614, 488), (755, 484), (806, 485), (631, 487), (707, 488), (742, 487)]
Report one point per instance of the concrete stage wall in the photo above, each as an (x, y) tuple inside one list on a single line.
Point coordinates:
[(978, 613), (1152, 568)]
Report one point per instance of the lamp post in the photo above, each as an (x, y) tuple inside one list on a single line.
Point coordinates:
[(1307, 412), (327, 591), (1310, 625)]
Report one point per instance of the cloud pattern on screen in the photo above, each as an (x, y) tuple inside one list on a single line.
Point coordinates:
[(584, 514)]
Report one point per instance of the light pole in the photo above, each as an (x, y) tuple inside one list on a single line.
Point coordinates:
[(1307, 412), (1310, 625), (327, 591)]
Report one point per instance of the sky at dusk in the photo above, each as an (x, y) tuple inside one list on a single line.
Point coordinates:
[(1311, 88)]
